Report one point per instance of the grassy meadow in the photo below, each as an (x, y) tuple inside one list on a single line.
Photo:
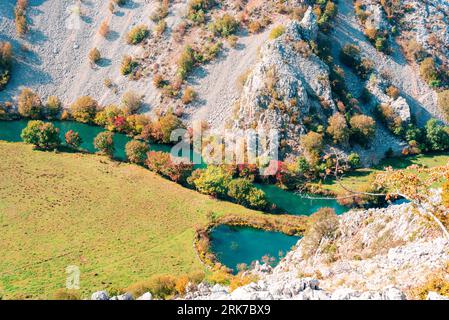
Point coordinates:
[(119, 223), (361, 179)]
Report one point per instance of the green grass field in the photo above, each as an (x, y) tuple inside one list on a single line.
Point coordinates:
[(119, 223), (361, 179)]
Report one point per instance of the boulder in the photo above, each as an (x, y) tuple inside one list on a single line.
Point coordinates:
[(125, 296), (100, 295), (393, 293), (435, 296), (146, 296), (402, 109), (345, 294)]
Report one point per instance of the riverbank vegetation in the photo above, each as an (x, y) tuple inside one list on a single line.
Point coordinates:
[(54, 206), (317, 167)]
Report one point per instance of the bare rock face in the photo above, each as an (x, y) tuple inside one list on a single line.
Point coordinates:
[(377, 86), (100, 295), (287, 84), (375, 254), (309, 25), (402, 109), (376, 19), (429, 20)]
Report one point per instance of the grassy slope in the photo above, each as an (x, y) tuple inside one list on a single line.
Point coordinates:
[(119, 223), (361, 179)]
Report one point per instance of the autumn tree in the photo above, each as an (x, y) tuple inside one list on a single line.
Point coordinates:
[(131, 102), (363, 128), (136, 151), (323, 227), (163, 164), (313, 145), (338, 128), (165, 125), (104, 143), (43, 135), (84, 109), (416, 185), (29, 104), (443, 103), (243, 192), (73, 139), (53, 107), (213, 180), (5, 63)]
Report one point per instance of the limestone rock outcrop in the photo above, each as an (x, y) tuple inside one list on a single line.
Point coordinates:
[(288, 84)]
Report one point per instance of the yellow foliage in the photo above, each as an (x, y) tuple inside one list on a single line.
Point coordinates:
[(446, 194), (240, 281), (436, 283), (220, 277)]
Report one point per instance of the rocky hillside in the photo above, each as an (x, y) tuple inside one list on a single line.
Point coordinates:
[(287, 84), (392, 253), (242, 64)]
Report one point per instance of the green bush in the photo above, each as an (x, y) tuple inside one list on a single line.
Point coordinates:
[(224, 26), (128, 65), (276, 32), (197, 10), (443, 103), (186, 62), (137, 34), (354, 160), (213, 181), (243, 192), (43, 135), (437, 136)]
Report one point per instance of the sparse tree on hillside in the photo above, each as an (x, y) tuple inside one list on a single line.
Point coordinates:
[(53, 107), (363, 128), (29, 104), (338, 128), (132, 102)]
